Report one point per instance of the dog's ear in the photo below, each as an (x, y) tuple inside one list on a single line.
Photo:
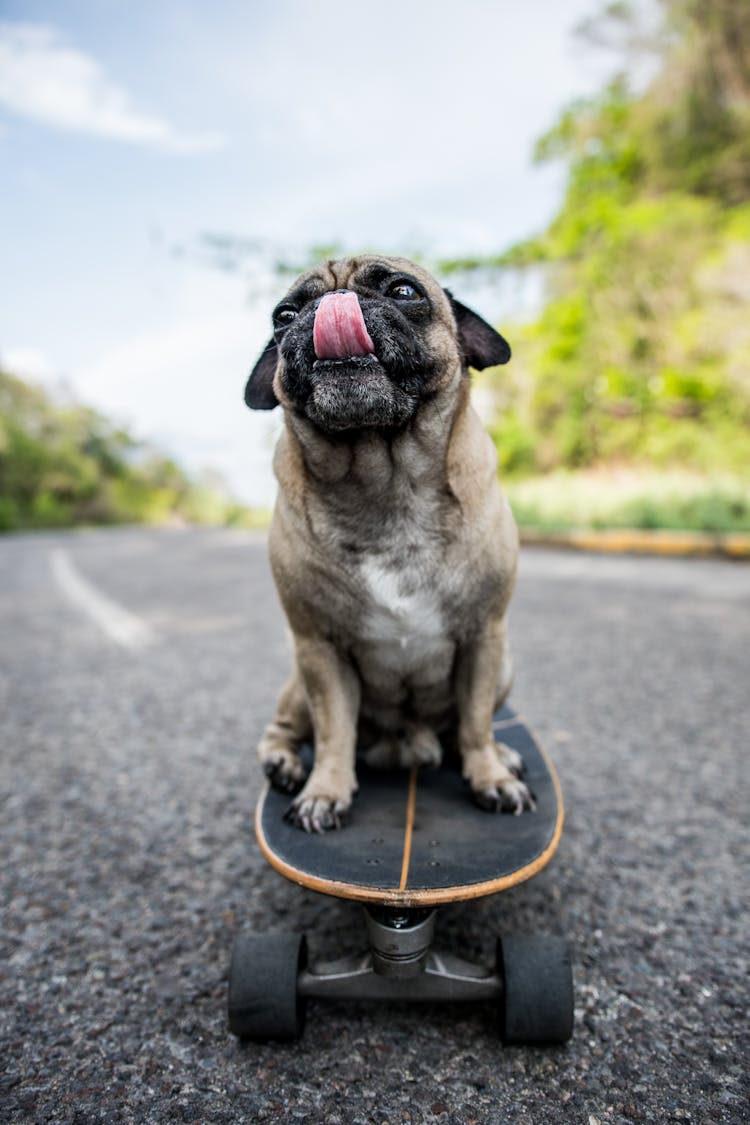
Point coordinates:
[(481, 344), (259, 393)]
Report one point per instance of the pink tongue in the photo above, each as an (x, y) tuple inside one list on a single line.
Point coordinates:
[(340, 330)]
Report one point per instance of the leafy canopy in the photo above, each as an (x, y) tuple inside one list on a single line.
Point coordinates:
[(642, 352)]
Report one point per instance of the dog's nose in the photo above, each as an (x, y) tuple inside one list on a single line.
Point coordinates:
[(339, 330)]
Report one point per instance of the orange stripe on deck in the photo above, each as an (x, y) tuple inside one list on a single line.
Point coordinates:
[(411, 803)]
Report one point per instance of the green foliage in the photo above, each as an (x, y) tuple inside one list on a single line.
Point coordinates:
[(65, 464), (630, 360), (642, 499), (641, 355)]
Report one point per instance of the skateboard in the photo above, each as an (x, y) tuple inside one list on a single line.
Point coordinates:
[(415, 842)]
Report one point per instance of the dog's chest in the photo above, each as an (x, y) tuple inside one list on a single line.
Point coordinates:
[(402, 611)]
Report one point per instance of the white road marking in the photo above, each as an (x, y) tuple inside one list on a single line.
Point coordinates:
[(116, 622)]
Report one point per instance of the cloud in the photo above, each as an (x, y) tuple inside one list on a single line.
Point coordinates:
[(44, 78), (180, 383), (27, 363)]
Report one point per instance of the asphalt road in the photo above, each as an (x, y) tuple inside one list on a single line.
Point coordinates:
[(136, 671)]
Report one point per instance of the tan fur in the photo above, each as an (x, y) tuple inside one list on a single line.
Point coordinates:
[(395, 559)]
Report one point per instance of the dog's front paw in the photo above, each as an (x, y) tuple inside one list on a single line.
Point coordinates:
[(321, 805), (319, 814), (493, 775), (508, 796)]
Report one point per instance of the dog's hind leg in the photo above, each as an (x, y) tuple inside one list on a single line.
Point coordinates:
[(416, 745), (277, 748)]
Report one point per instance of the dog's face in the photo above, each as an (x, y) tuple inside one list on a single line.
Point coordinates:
[(359, 344)]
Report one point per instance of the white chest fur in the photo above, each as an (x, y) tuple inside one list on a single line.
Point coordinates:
[(402, 611)]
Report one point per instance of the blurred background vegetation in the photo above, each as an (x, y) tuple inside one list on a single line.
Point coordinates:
[(628, 400), (63, 464)]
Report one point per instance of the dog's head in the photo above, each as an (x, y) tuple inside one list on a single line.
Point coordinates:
[(361, 343)]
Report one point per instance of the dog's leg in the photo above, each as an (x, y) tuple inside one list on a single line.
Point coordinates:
[(277, 748), (511, 758), (333, 693), (492, 769)]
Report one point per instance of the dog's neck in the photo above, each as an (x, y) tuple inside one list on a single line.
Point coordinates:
[(373, 466), (423, 483), (379, 495)]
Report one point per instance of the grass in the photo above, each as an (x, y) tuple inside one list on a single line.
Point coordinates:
[(609, 499), (628, 498)]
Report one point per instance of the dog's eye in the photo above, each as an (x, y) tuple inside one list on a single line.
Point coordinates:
[(403, 291), (283, 316)]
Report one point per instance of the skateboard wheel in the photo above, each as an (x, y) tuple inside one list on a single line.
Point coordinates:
[(263, 998), (537, 1001)]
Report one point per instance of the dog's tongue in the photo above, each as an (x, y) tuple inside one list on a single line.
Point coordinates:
[(339, 330)]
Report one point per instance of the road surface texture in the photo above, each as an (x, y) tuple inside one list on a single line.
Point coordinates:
[(138, 668)]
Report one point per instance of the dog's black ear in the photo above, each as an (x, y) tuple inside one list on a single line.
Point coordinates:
[(481, 344), (259, 393)]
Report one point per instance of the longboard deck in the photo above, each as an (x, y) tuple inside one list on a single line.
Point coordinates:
[(416, 839)]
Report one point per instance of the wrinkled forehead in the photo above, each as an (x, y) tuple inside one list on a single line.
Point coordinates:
[(360, 274)]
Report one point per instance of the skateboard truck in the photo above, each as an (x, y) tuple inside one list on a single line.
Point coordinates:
[(400, 966)]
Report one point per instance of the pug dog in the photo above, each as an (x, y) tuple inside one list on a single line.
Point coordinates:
[(392, 546)]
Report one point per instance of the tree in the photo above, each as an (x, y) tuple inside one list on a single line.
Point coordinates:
[(642, 351)]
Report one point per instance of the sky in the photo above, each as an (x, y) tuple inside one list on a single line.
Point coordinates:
[(131, 130)]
